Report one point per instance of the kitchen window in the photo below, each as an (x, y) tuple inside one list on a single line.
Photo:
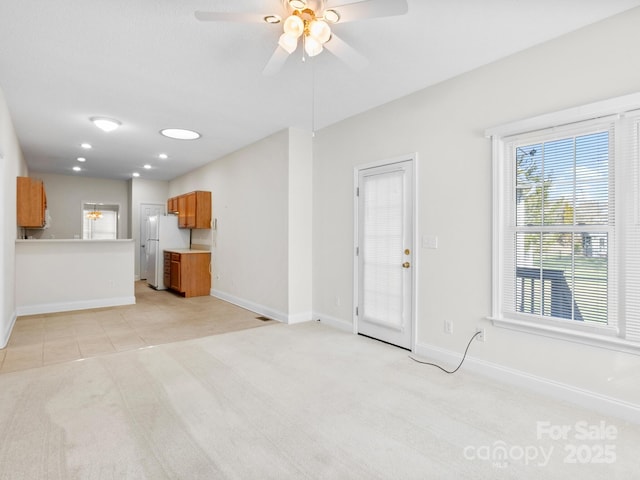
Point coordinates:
[(100, 221)]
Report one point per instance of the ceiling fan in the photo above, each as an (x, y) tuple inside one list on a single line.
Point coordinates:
[(309, 22)]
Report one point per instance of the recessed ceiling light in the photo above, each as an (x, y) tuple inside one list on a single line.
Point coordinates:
[(180, 133), (105, 124), (163, 156), (147, 166), (82, 159), (86, 146), (76, 169), (135, 174)]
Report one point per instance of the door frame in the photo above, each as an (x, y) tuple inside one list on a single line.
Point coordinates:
[(413, 158)]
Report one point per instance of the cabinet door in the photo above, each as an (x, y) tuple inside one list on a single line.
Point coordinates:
[(173, 204), (176, 273), (31, 202), (182, 211), (203, 210), (191, 204)]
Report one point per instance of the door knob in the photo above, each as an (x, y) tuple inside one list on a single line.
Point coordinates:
[(406, 265)]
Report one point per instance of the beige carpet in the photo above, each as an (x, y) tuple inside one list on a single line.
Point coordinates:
[(288, 402)]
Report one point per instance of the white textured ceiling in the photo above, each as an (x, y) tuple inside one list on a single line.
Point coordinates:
[(151, 65)]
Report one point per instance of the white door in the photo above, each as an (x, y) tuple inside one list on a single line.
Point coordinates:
[(385, 253), (146, 210)]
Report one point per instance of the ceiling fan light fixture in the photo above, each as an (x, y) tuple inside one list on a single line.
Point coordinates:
[(312, 46), (105, 124), (320, 30), (288, 42), (293, 25), (331, 16)]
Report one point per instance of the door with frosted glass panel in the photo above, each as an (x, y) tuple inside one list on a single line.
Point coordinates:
[(385, 253)]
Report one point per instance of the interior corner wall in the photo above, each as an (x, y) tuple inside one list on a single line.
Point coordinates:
[(249, 248), (143, 191), (300, 225), (12, 165), (445, 125)]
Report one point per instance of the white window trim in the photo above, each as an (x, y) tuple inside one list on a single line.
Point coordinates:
[(604, 338)]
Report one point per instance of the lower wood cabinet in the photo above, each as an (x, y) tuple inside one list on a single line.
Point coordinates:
[(188, 273)]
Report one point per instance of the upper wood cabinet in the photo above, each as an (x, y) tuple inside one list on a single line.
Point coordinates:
[(194, 209), (31, 202), (172, 205), (182, 211)]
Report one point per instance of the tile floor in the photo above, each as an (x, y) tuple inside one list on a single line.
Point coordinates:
[(156, 318)]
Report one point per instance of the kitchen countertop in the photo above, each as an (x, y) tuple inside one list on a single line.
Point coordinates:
[(36, 241), (183, 251)]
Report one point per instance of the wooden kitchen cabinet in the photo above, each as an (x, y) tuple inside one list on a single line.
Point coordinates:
[(166, 277), (182, 211), (194, 209), (31, 202), (189, 273), (172, 205)]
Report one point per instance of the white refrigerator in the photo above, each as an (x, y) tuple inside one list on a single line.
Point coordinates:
[(163, 234)]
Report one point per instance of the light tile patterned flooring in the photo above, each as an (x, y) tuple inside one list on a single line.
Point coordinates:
[(157, 317)]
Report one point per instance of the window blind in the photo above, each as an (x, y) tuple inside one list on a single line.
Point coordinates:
[(382, 248)]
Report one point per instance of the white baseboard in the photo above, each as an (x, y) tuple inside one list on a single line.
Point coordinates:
[(333, 322), (4, 339), (78, 305), (263, 310), (561, 391)]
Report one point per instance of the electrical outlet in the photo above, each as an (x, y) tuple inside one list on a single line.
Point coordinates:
[(480, 337), (448, 327)]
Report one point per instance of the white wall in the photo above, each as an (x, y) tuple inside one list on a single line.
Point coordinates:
[(444, 124), (144, 191), (300, 185), (12, 165), (63, 275), (250, 203), (65, 195)]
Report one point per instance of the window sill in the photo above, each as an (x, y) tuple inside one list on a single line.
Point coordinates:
[(591, 339)]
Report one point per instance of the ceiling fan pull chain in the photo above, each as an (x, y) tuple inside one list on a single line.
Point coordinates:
[(304, 58)]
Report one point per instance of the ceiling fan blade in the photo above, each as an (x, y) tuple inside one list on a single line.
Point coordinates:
[(229, 17), (346, 53), (371, 9), (276, 62)]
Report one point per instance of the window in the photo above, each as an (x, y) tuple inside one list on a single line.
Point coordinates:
[(99, 221), (567, 226)]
